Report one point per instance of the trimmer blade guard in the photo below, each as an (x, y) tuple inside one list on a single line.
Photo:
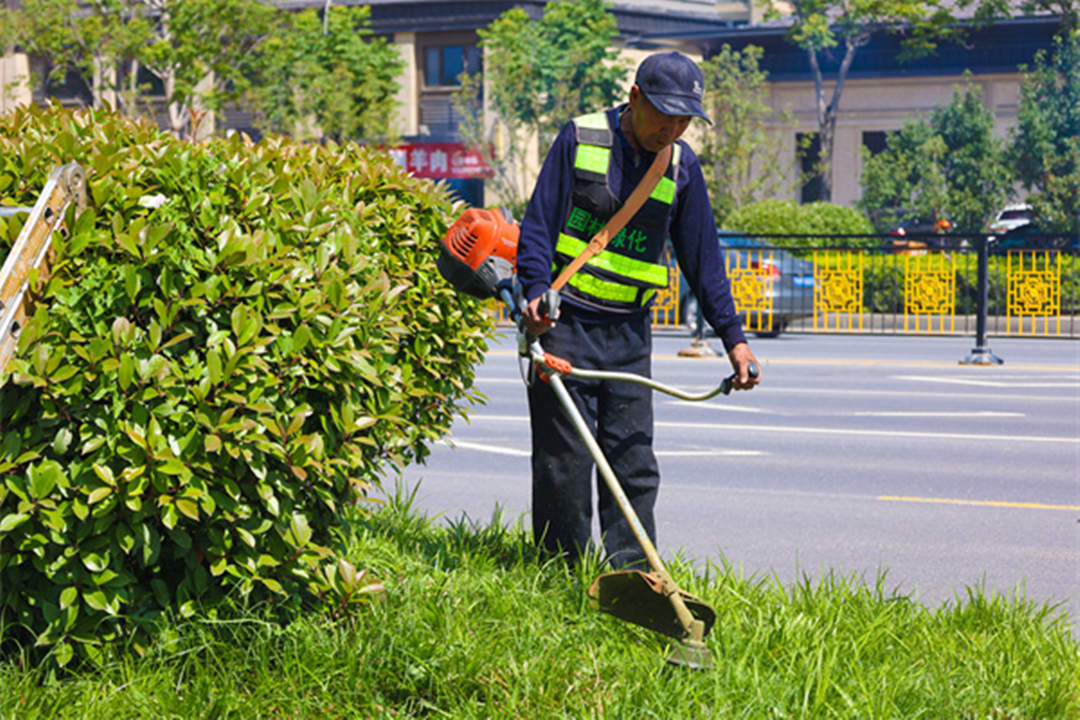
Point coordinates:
[(638, 597), (691, 654)]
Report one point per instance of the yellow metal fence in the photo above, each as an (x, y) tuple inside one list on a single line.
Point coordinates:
[(1034, 278), (838, 291), (929, 293)]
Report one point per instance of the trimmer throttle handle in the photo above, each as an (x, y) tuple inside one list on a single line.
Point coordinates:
[(729, 381), (549, 305), (506, 294)]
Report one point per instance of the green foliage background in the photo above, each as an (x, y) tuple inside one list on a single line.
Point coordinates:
[(786, 217), (203, 53), (329, 77), (235, 342), (951, 165), (538, 74), (745, 162), (1045, 146)]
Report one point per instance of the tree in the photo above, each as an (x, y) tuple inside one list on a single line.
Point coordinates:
[(1045, 144), (951, 166), (826, 29), (329, 77), (744, 160), (538, 75), (65, 38), (906, 181), (196, 40), (200, 50)]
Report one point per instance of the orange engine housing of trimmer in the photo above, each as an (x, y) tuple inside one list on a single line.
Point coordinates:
[(479, 252)]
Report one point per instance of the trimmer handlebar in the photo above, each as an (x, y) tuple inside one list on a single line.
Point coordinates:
[(552, 364)]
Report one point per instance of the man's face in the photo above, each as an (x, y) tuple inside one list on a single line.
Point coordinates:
[(654, 130)]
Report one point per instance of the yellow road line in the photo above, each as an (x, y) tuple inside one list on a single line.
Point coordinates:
[(982, 503)]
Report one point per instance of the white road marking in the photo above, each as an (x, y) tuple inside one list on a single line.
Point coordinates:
[(483, 447), (717, 406), (517, 452), (794, 429), (929, 413), (987, 383), (871, 433), (710, 453)]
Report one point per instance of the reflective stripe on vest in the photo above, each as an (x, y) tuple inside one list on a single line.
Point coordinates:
[(645, 273), (665, 189), (592, 158), (610, 291)]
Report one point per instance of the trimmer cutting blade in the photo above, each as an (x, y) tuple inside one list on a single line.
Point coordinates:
[(638, 597)]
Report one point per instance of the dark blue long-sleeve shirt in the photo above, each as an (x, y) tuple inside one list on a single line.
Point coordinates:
[(692, 229)]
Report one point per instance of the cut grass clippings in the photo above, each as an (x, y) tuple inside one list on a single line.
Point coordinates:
[(475, 625)]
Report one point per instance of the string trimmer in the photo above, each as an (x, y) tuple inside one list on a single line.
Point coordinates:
[(477, 258)]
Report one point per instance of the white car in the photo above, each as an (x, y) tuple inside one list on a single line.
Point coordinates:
[(1010, 218)]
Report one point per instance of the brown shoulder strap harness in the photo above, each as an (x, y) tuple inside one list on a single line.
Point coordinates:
[(633, 203)]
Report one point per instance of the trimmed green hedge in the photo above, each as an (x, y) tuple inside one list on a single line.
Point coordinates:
[(236, 340), (785, 217)]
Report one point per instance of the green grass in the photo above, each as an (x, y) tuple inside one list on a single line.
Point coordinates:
[(475, 625)]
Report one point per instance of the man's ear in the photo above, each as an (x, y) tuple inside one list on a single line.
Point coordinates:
[(635, 95)]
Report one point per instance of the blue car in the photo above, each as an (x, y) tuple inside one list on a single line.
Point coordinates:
[(773, 286)]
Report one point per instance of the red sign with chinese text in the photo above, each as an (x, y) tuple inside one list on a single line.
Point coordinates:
[(440, 160)]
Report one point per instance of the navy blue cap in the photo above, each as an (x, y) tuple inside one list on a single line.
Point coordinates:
[(673, 83)]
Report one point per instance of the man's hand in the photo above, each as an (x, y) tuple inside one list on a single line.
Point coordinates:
[(741, 357), (536, 324)]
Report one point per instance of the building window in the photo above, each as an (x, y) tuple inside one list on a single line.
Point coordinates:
[(443, 64), (149, 84), (72, 88), (808, 152), (875, 141)]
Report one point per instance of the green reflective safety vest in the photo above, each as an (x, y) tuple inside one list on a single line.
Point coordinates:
[(625, 276)]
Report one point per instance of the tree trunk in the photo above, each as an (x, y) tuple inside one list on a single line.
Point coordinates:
[(826, 121), (827, 111), (128, 97), (104, 82), (178, 114)]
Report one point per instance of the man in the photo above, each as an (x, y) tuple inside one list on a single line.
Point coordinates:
[(592, 167)]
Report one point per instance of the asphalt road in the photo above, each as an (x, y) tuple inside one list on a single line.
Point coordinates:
[(857, 455)]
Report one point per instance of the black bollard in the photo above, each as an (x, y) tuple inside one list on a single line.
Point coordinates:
[(981, 353)]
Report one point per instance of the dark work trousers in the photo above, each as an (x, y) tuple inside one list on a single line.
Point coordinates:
[(620, 416)]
